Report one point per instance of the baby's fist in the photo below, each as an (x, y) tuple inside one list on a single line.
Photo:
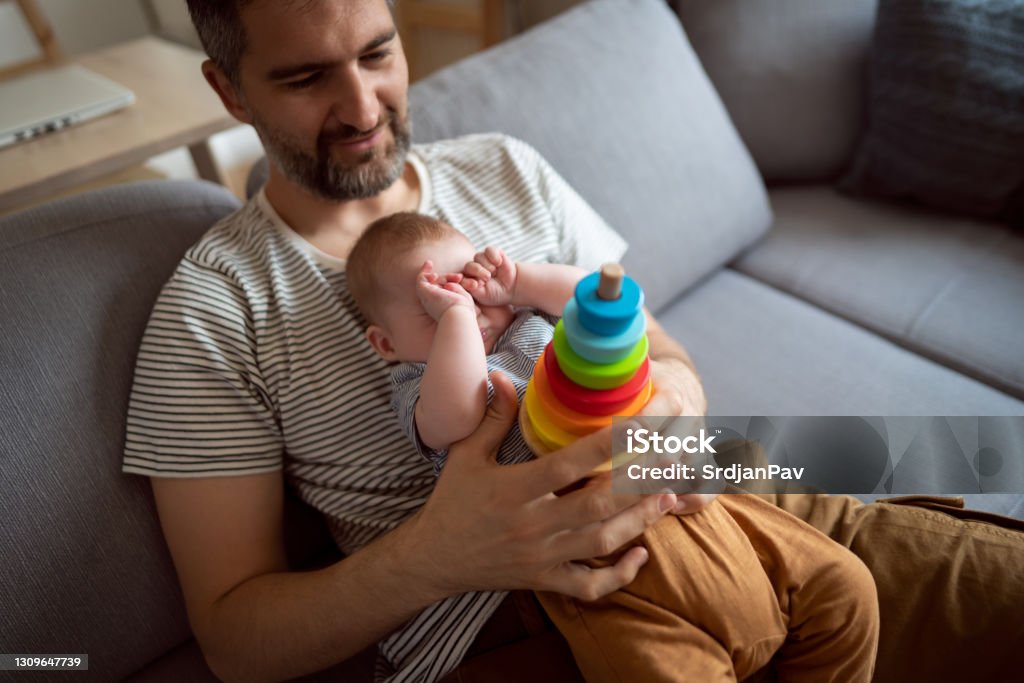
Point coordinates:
[(491, 277)]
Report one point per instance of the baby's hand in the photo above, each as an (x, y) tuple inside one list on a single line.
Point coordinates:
[(491, 277), (438, 293)]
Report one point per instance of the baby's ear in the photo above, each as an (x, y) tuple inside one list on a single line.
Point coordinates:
[(380, 340)]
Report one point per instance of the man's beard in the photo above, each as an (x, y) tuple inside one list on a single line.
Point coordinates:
[(329, 179)]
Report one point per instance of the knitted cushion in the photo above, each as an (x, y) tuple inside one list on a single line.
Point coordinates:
[(946, 107)]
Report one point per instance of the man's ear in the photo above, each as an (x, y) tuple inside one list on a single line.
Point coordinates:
[(380, 340), (226, 91)]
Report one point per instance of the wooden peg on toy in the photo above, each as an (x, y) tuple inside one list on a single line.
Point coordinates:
[(609, 287)]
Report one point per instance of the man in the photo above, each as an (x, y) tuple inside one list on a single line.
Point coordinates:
[(253, 368), (253, 371)]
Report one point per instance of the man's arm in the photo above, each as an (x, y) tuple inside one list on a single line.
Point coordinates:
[(485, 527), (255, 620), (677, 391)]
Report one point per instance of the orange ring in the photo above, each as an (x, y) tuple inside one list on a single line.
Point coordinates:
[(542, 448), (533, 441), (545, 429)]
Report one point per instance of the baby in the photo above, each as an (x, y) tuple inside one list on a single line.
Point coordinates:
[(724, 591)]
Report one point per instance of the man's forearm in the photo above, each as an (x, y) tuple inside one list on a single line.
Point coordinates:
[(279, 626), (664, 349)]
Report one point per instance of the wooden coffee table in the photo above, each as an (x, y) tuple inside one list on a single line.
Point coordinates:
[(174, 107)]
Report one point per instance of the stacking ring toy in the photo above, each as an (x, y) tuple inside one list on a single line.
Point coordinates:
[(594, 367)]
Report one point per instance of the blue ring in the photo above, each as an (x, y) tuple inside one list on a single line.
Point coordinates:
[(608, 318)]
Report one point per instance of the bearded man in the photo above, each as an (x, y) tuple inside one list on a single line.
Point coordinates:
[(254, 373)]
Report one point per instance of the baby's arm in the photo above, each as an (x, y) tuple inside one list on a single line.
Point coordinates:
[(495, 279), (546, 286), (453, 390)]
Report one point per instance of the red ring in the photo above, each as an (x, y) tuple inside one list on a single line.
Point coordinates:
[(593, 401)]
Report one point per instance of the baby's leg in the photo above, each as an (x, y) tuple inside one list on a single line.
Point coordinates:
[(826, 592), (701, 609)]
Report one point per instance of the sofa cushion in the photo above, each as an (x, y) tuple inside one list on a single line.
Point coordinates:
[(85, 567), (946, 107), (791, 74), (613, 96), (761, 351), (186, 664), (949, 288)]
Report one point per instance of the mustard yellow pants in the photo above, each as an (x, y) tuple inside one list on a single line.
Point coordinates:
[(726, 591), (950, 584)]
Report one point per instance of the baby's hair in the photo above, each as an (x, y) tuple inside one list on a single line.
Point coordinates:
[(384, 240)]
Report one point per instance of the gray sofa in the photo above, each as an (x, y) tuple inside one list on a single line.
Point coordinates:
[(792, 298)]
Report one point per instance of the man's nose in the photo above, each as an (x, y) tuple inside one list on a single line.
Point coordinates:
[(357, 104)]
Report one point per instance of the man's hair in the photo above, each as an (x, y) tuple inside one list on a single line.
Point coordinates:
[(376, 249), (220, 29)]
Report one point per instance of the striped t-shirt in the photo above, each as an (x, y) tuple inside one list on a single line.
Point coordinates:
[(254, 360)]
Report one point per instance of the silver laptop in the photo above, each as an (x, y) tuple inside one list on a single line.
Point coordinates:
[(45, 101)]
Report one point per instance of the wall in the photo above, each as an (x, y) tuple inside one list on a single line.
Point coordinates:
[(172, 18), (436, 48), (83, 25), (527, 13)]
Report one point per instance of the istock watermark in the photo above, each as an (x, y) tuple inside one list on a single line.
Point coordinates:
[(901, 455), (641, 441)]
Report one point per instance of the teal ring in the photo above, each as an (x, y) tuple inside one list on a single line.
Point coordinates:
[(600, 348)]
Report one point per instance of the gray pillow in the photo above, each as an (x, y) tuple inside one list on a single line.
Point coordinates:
[(791, 74), (614, 97), (946, 107)]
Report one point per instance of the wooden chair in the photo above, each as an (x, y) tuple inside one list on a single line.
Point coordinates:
[(40, 26)]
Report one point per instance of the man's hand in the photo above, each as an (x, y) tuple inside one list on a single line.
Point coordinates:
[(491, 277), (678, 391), (493, 527), (438, 293)]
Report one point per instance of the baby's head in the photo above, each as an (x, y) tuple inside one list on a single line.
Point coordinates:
[(382, 270)]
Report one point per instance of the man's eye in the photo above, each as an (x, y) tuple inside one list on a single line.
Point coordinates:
[(377, 56), (305, 82)]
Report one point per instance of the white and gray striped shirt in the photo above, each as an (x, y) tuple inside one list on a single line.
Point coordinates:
[(254, 360)]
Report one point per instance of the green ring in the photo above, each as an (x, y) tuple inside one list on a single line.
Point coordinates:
[(596, 375)]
